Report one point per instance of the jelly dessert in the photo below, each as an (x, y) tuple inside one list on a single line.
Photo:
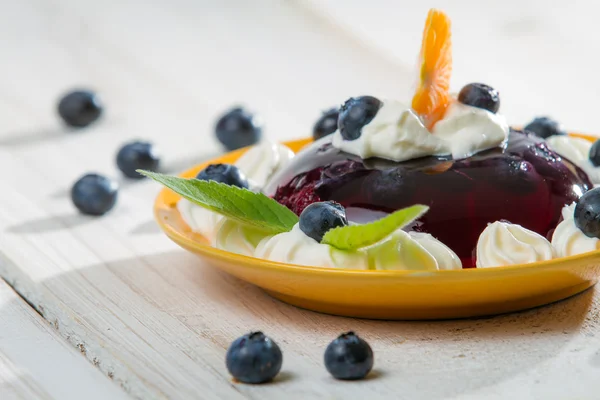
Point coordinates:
[(456, 155), (524, 182), (441, 184)]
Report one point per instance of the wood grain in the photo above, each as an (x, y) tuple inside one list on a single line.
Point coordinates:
[(37, 363), (149, 315)]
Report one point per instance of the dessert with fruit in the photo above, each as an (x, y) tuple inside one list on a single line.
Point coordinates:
[(441, 183)]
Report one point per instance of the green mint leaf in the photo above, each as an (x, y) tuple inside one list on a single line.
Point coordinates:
[(354, 237), (241, 205)]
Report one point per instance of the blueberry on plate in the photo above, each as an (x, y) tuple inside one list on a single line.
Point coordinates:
[(545, 127), (94, 194), (238, 128), (137, 155), (254, 358), (327, 124), (319, 217), (80, 108), (594, 154), (224, 173), (480, 96), (587, 213), (355, 113), (349, 357)]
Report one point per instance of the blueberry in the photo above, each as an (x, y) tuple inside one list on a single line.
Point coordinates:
[(224, 173), (480, 96), (254, 358), (349, 357), (594, 154), (238, 128), (137, 155), (545, 127), (318, 218), (327, 124), (80, 108), (355, 113), (587, 213), (94, 194)]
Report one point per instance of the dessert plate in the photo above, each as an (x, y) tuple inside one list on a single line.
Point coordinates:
[(407, 295)]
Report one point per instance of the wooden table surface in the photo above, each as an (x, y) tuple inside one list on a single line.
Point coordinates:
[(109, 308)]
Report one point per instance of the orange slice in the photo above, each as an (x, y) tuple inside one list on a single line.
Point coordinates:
[(432, 97)]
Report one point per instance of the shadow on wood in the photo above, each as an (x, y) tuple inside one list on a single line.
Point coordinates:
[(25, 138), (51, 224)]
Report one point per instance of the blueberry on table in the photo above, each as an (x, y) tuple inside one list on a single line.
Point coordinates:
[(80, 108), (224, 173), (94, 194), (594, 154), (254, 358), (137, 155), (355, 113), (349, 357), (545, 127), (480, 96), (320, 217), (327, 124), (587, 213), (238, 128)]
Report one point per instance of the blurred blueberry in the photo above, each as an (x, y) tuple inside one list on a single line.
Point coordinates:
[(94, 194), (327, 124), (238, 128), (80, 108), (545, 127), (137, 155)]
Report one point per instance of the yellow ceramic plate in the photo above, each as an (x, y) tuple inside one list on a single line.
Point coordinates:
[(389, 294)]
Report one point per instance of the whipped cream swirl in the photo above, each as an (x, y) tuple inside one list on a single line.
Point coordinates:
[(469, 130), (577, 150), (445, 257), (262, 161), (199, 219), (412, 251), (569, 240), (396, 133), (503, 243), (237, 238), (295, 247), (400, 251)]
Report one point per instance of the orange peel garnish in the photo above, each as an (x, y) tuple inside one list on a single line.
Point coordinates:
[(432, 96)]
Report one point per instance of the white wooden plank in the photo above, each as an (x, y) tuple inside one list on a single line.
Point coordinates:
[(37, 363), (151, 316)]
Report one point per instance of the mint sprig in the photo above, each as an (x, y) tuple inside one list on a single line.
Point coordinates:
[(354, 237), (241, 205)]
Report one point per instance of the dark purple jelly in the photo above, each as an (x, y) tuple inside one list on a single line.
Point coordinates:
[(526, 183)]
